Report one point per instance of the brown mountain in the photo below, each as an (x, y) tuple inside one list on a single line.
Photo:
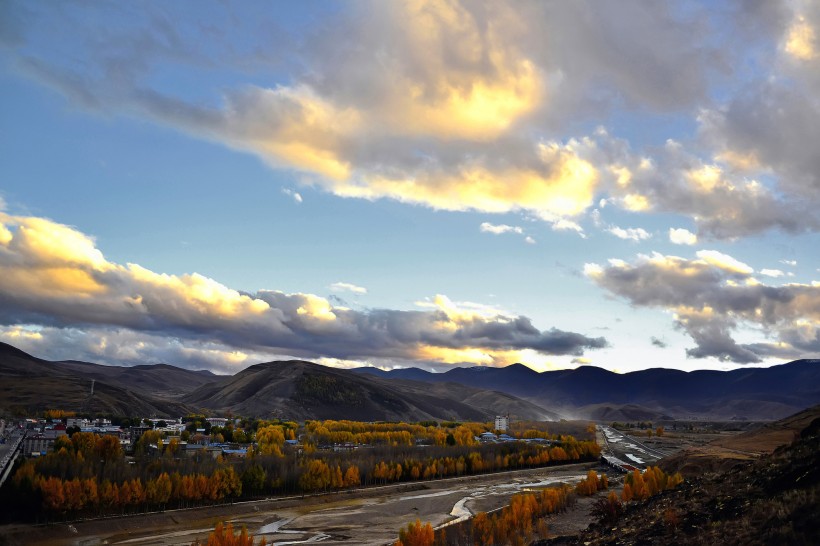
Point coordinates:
[(32, 385), (303, 390), (162, 380)]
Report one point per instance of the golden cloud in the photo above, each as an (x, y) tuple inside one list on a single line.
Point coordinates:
[(565, 187), (801, 40)]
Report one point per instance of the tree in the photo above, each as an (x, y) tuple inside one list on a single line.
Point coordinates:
[(416, 534), (270, 439), (352, 478), (108, 448), (607, 510), (158, 491), (223, 535), (315, 477), (254, 478), (482, 529)]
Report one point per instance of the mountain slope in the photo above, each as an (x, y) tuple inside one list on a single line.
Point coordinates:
[(33, 385), (771, 500), (160, 380)]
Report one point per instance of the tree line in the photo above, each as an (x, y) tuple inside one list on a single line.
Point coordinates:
[(88, 474)]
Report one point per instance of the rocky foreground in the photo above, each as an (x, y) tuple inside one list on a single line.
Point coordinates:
[(770, 501)]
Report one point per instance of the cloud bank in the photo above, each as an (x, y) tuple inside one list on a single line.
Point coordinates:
[(472, 106), (54, 278), (713, 297)]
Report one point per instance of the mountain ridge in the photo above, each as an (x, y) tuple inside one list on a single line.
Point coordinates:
[(306, 390), (777, 391)]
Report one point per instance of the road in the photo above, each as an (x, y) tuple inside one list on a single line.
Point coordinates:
[(8, 452), (628, 449)]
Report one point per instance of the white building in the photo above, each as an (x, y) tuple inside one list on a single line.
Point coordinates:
[(77, 422), (502, 422)]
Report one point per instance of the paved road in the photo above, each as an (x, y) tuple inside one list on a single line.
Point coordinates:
[(8, 452), (628, 449)]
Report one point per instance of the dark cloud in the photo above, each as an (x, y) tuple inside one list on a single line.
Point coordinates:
[(658, 342)]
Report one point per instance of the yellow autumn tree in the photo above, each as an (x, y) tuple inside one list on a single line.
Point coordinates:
[(416, 534)]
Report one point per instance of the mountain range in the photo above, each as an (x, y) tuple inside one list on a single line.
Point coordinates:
[(304, 390), (589, 392)]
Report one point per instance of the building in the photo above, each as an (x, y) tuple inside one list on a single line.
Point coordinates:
[(34, 446), (136, 432), (217, 421), (77, 422), (502, 422)]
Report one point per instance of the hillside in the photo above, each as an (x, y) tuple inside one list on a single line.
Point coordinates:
[(594, 393), (32, 385), (303, 390), (772, 500), (160, 380), (728, 452)]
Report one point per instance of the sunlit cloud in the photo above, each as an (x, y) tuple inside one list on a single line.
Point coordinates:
[(724, 262), (681, 236), (801, 40)]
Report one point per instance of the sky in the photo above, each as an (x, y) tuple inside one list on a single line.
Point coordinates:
[(620, 184)]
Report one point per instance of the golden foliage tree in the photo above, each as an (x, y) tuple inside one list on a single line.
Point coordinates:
[(416, 534), (224, 535)]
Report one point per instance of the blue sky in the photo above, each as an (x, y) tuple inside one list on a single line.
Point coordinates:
[(403, 184)]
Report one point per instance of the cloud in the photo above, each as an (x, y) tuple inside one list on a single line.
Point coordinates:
[(658, 342), (54, 278), (801, 40), (347, 287), (500, 229), (467, 106), (724, 262), (118, 346), (453, 106), (487, 227), (772, 273), (722, 202), (791, 263), (681, 236), (294, 194), (632, 234), (712, 297), (773, 124)]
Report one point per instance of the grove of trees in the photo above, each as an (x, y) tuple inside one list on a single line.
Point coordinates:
[(90, 475)]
